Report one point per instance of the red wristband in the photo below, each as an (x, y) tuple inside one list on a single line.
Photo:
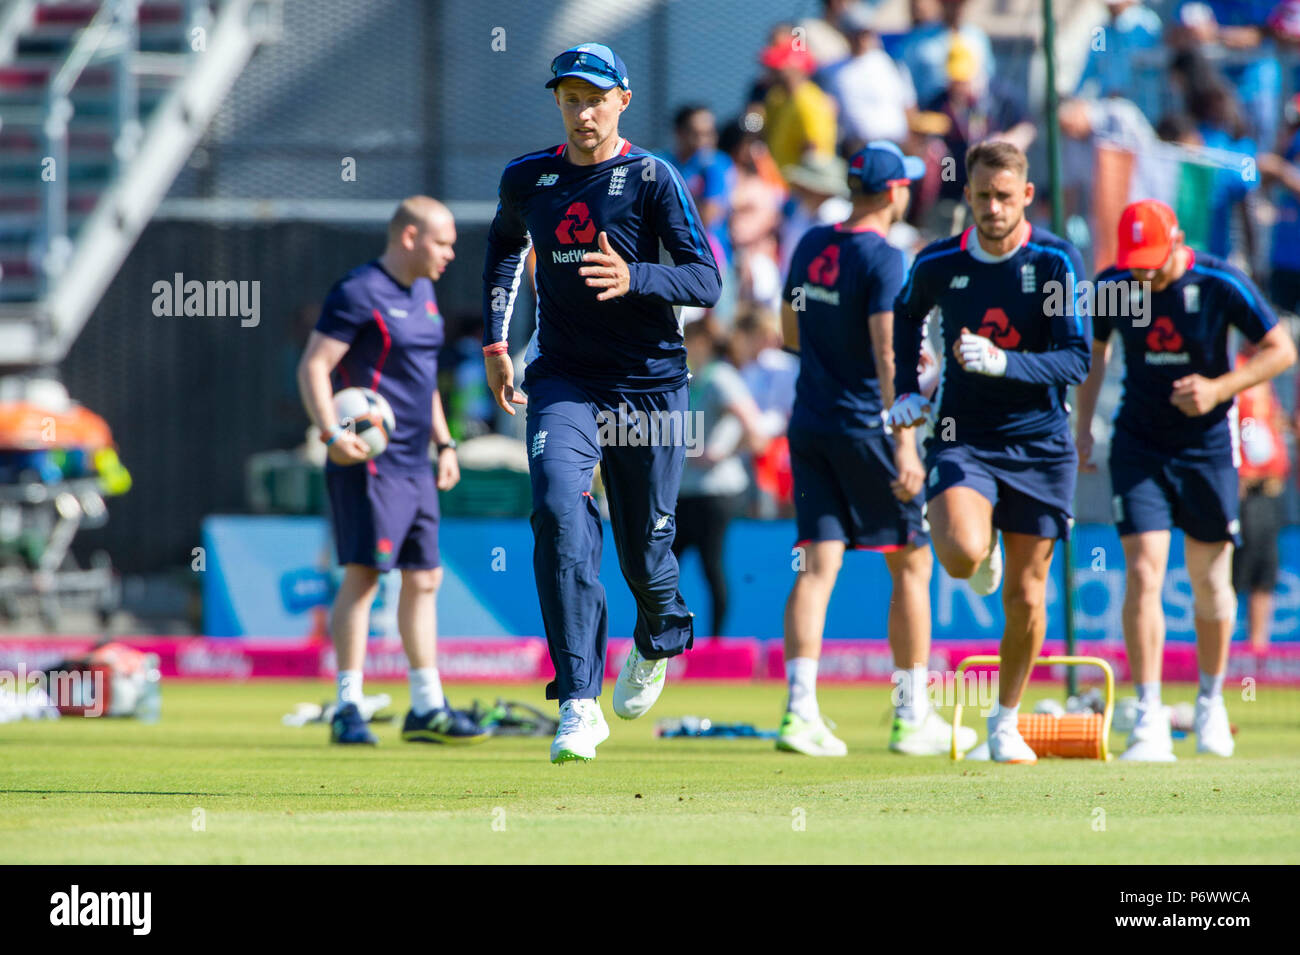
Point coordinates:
[(496, 348)]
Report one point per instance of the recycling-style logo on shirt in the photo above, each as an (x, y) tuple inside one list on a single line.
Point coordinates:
[(825, 269), (576, 226), (997, 328), (1163, 336)]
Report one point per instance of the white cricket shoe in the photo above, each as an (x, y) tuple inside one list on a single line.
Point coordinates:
[(639, 685), (582, 729), (980, 754), (1213, 734), (929, 736), (810, 737), (988, 575), (1150, 741), (1006, 745)]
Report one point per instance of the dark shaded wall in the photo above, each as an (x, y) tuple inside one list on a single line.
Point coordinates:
[(189, 399)]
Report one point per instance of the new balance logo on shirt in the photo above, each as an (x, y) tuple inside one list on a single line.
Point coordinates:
[(548, 179), (959, 281)]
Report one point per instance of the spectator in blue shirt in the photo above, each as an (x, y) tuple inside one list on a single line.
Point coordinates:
[(1283, 170), (1239, 31), (1219, 123), (925, 49), (708, 172), (1133, 29)]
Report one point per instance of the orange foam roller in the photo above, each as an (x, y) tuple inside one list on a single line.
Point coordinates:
[(1072, 735)]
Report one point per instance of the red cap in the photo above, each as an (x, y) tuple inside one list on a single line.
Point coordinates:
[(778, 56), (1146, 235)]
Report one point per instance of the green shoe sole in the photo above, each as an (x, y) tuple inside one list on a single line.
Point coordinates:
[(569, 756)]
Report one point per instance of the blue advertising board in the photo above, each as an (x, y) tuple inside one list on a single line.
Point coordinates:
[(274, 577)]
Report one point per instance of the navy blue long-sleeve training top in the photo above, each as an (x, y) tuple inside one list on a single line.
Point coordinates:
[(632, 343), (1033, 303)]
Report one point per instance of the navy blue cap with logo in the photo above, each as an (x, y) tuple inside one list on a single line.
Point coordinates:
[(595, 63), (881, 164)]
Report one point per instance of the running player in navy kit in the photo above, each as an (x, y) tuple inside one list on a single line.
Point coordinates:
[(848, 491), (1015, 317), (1173, 456), (606, 362), (380, 329)]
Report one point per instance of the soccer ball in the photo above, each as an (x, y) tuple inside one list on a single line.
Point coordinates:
[(367, 414)]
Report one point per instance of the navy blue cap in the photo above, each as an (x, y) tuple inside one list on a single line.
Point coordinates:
[(881, 162), (593, 62)]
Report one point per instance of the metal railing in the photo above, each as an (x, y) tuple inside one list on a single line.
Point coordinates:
[(110, 36), (14, 19)]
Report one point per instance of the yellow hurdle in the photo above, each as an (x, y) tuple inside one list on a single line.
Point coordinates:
[(1074, 735)]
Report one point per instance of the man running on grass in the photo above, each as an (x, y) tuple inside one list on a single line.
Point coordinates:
[(1001, 458), (607, 360)]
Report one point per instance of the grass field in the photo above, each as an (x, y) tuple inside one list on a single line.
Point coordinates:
[(121, 792)]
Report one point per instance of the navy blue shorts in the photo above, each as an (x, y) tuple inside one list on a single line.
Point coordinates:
[(1029, 483), (1156, 492), (384, 520), (841, 492)]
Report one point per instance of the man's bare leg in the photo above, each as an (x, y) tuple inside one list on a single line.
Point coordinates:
[(349, 626), (1259, 613), (909, 627), (961, 527), (805, 619), (802, 728), (1146, 556), (1209, 565), (1024, 600), (417, 621)]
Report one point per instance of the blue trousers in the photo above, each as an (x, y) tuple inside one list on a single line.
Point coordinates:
[(571, 430)]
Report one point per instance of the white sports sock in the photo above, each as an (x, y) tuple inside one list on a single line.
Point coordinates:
[(1211, 687), (913, 705), (1003, 715), (349, 685), (1149, 697), (426, 690), (801, 673)]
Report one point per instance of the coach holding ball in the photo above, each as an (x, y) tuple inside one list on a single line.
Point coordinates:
[(380, 329)]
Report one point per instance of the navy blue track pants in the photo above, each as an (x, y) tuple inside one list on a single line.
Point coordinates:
[(571, 430)]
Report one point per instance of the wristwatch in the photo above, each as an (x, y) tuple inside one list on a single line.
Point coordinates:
[(451, 443)]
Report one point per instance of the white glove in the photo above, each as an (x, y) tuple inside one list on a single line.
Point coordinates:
[(981, 356), (908, 411)]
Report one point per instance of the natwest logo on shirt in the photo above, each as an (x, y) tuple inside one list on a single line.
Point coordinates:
[(825, 269), (997, 328), (1165, 344), (576, 226)]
